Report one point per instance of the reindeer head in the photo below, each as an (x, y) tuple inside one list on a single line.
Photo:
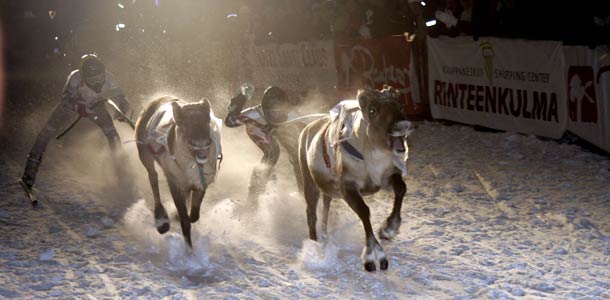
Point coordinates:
[(383, 112), (193, 124)]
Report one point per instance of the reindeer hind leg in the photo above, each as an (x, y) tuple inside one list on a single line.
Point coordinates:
[(326, 208), (310, 190)]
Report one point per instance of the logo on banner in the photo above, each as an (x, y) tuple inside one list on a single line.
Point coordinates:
[(487, 51), (360, 63), (582, 105)]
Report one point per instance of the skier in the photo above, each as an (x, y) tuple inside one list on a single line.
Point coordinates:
[(84, 95), (264, 127)]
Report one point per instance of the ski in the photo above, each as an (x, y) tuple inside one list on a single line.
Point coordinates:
[(29, 192)]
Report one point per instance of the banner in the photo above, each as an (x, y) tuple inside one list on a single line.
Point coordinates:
[(371, 63), (513, 85), (588, 86), (298, 68)]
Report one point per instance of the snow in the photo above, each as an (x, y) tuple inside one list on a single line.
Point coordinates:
[(486, 216), (47, 255)]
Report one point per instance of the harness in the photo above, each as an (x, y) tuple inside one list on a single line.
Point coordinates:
[(161, 133), (349, 148), (343, 116)]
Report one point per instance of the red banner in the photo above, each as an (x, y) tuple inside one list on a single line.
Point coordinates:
[(373, 63), (588, 87)]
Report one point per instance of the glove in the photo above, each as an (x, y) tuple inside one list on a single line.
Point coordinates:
[(246, 89), (119, 117), (237, 103)]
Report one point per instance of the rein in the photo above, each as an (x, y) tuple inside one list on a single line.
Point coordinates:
[(289, 122), (324, 147), (351, 150)]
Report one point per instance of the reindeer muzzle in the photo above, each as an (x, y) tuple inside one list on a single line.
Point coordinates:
[(201, 154), (398, 144), (398, 136)]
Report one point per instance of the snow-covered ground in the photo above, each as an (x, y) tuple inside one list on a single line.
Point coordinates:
[(486, 216)]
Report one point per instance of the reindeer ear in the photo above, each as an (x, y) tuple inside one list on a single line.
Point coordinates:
[(363, 99), (177, 110), (205, 103)]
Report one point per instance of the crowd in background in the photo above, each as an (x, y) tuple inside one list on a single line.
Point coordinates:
[(166, 41), (586, 22), (59, 25)]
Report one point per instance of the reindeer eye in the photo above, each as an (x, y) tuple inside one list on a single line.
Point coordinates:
[(372, 111)]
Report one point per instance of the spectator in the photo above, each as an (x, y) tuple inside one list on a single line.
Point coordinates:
[(321, 19), (465, 21), (347, 19), (299, 17), (503, 17), (402, 18), (380, 22), (419, 49), (447, 16), (367, 22)]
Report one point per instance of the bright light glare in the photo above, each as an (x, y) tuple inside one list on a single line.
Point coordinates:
[(430, 23), (121, 5), (56, 38), (119, 26), (422, 3), (231, 15)]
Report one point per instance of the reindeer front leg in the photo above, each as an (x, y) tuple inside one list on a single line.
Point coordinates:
[(148, 160), (392, 223), (372, 252), (196, 199), (179, 195)]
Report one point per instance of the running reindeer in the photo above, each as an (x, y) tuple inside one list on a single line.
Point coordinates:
[(357, 150), (184, 139)]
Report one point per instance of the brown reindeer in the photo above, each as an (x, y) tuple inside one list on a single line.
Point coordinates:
[(357, 150), (184, 139)]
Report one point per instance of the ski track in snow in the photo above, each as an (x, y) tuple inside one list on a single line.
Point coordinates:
[(486, 216)]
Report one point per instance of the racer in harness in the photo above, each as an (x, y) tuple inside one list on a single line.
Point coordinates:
[(261, 123), (84, 95)]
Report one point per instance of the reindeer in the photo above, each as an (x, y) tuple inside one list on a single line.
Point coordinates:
[(184, 139), (357, 150)]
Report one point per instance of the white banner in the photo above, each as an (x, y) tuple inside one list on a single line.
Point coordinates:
[(588, 86), (513, 85), (299, 68)]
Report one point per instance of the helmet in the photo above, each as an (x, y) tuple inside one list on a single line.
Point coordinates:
[(275, 104), (93, 71)]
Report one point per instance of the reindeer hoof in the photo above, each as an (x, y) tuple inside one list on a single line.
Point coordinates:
[(163, 228), (194, 218), (383, 264), (387, 232), (370, 266)]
